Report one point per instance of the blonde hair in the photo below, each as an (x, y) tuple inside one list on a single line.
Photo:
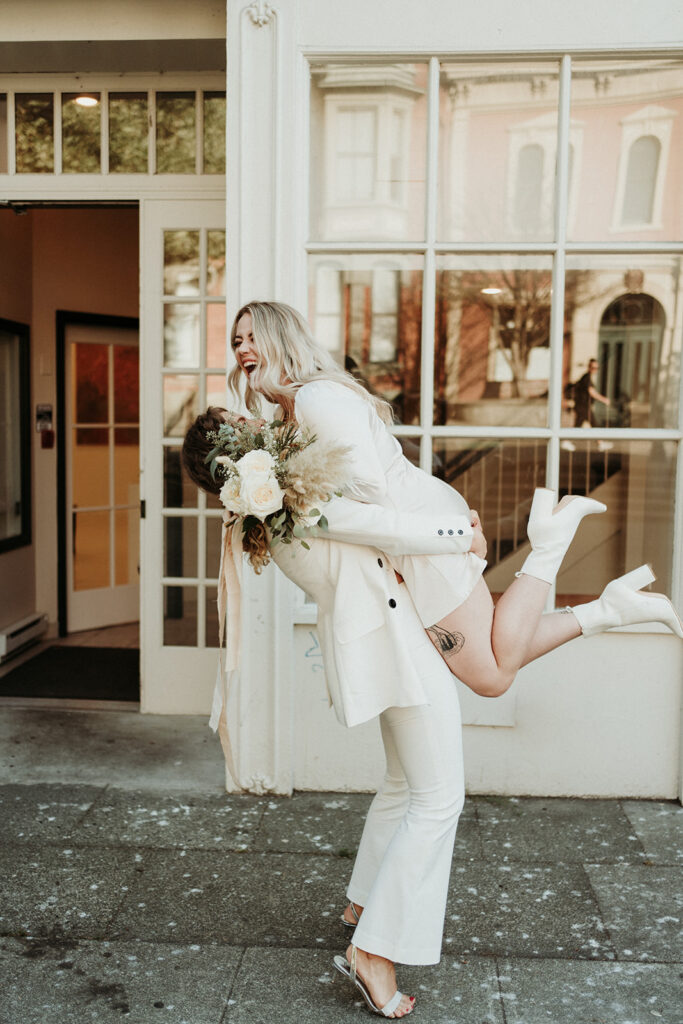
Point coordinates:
[(290, 353)]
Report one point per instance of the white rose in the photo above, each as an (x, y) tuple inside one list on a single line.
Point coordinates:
[(258, 461), (230, 495), (260, 495)]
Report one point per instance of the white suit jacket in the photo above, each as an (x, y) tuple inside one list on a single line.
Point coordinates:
[(348, 574)]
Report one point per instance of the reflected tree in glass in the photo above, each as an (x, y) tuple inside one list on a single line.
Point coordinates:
[(214, 133), (81, 133), (34, 133), (128, 133), (176, 135)]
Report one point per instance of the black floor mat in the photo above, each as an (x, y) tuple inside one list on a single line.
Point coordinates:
[(81, 673)]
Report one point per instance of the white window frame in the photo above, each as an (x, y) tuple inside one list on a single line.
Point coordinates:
[(105, 184), (558, 248)]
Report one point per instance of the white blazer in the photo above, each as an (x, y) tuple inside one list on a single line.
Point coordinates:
[(382, 475), (347, 572)]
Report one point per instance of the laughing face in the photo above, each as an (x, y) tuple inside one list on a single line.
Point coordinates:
[(244, 346)]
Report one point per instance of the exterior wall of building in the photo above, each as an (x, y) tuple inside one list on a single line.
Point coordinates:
[(573, 722), (38, 20)]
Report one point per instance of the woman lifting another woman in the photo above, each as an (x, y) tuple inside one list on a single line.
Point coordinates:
[(399, 882)]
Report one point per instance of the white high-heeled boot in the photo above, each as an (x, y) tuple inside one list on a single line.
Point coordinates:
[(622, 604), (551, 535)]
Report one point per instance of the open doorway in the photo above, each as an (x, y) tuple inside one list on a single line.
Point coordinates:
[(73, 275)]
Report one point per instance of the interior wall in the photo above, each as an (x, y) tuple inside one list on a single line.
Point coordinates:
[(17, 567), (84, 261)]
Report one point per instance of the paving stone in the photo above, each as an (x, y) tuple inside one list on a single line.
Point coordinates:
[(548, 830), (529, 911), (236, 898), (642, 908), (659, 826), (226, 822), (296, 985), (535, 992), (44, 812), (314, 823), (119, 748), (63, 891), (107, 981), (333, 823)]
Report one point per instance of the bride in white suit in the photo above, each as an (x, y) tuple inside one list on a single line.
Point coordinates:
[(398, 887)]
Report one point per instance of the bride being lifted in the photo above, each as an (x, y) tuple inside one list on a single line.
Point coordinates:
[(385, 663)]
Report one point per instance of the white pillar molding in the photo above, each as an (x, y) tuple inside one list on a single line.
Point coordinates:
[(260, 706)]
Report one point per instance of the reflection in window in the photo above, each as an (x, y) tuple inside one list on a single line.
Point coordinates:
[(497, 142), (497, 478), (128, 132), (81, 133), (529, 189), (368, 151), (214, 133), (629, 352), (636, 480), (34, 117), (369, 317), (641, 179), (176, 135), (492, 360), (356, 154), (626, 313)]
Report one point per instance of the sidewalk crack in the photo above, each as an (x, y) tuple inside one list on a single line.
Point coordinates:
[(500, 991), (226, 1011)]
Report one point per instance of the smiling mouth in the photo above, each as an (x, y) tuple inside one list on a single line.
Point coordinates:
[(249, 367)]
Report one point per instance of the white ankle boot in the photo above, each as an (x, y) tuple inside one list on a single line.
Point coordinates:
[(622, 604), (551, 535)]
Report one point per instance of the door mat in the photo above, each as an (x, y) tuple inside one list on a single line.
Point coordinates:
[(79, 673)]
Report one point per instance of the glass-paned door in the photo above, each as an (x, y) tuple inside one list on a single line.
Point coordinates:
[(184, 324), (102, 460)]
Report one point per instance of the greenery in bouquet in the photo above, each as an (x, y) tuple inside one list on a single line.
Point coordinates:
[(275, 477)]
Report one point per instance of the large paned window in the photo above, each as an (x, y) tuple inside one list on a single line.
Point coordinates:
[(193, 377), (121, 130), (492, 245)]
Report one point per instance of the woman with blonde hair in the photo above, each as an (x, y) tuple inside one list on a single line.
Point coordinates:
[(399, 883)]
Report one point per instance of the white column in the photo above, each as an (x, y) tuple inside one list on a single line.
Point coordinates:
[(260, 707)]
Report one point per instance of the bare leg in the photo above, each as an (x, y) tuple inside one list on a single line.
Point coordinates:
[(486, 648)]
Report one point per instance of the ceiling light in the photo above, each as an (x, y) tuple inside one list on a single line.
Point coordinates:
[(491, 291), (86, 101)]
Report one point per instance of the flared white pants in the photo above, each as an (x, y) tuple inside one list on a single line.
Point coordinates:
[(401, 872)]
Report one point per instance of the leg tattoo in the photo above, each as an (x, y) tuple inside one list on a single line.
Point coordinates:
[(446, 642)]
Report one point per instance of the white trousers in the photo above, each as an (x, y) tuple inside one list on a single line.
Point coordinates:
[(401, 872)]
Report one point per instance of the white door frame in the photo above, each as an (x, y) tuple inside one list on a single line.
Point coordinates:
[(105, 606)]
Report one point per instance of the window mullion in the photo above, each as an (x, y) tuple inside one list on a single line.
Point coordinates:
[(557, 309), (57, 131), (429, 269)]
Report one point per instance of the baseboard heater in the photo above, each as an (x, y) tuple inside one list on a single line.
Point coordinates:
[(21, 634)]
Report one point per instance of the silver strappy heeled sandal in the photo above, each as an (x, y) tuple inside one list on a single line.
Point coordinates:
[(351, 924), (349, 971)]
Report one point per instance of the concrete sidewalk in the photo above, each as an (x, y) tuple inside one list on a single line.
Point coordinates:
[(136, 889)]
